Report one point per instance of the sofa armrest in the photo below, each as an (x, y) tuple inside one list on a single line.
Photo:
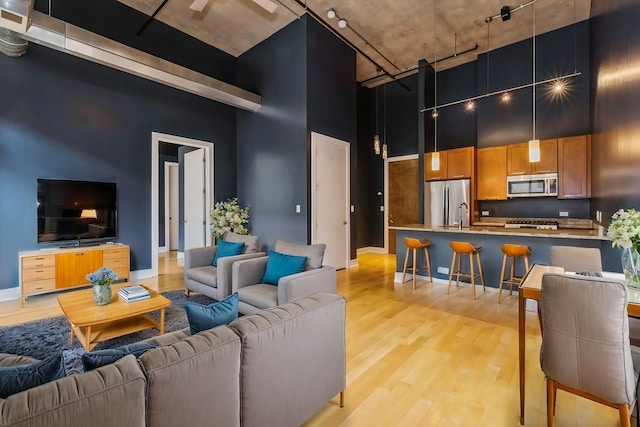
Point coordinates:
[(307, 283), (199, 257), (225, 270), (247, 272)]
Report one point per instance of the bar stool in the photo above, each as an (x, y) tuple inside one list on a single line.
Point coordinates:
[(512, 252), (415, 244), (460, 248)]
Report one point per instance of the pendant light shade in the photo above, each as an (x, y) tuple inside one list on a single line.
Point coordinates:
[(534, 150), (435, 161), (376, 143), (385, 153)]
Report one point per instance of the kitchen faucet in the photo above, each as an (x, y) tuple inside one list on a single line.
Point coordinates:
[(460, 213)]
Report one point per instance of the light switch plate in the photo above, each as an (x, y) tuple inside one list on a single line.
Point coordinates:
[(485, 213), (443, 270), (353, 208), (297, 208), (381, 208)]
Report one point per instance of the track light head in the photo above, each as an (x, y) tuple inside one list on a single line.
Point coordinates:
[(505, 13), (331, 13), (342, 23)]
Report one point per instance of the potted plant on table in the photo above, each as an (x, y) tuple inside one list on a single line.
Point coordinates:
[(229, 216), (101, 280), (624, 232)]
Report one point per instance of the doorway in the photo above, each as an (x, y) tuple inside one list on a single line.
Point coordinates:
[(171, 205), (401, 205), (156, 139), (330, 198)]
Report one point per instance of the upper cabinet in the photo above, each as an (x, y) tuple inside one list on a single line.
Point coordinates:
[(491, 171), (454, 164), (518, 158), (574, 167)]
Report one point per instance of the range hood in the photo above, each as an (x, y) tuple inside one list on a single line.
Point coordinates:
[(39, 28)]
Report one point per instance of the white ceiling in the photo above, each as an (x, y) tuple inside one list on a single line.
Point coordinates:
[(404, 31)]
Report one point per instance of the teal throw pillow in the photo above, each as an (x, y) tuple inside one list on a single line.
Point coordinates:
[(227, 249), (15, 379), (280, 265), (96, 359), (203, 317)]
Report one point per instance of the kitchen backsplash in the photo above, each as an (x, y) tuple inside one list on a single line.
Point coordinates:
[(540, 207), (575, 223)]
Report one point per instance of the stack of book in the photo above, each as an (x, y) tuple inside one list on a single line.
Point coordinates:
[(133, 293)]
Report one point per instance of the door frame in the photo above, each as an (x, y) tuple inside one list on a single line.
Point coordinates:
[(167, 233), (156, 139), (346, 147), (386, 193)]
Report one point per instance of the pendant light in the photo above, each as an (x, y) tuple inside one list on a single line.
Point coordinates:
[(435, 157), (534, 144), (385, 152), (376, 137)]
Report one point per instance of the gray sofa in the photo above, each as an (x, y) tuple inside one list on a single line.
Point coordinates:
[(215, 282), (274, 368), (253, 295)]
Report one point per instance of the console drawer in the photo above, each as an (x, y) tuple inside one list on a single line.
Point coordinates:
[(38, 286), (41, 273), (115, 252), (39, 261)]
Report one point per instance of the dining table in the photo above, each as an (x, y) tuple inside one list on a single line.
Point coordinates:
[(531, 288)]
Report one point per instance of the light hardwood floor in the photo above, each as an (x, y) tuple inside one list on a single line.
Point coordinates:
[(420, 358)]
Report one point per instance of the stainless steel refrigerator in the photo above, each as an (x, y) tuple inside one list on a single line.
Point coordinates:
[(444, 201)]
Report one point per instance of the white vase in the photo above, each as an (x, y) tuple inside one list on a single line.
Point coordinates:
[(631, 267)]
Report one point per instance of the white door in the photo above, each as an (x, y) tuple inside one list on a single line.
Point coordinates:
[(330, 198), (173, 212), (194, 200)]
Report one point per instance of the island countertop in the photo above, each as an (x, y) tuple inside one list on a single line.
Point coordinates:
[(567, 233)]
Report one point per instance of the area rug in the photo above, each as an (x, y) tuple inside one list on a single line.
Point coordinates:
[(45, 337)]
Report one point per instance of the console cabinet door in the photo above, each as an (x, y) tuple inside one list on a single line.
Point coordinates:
[(491, 171), (72, 267)]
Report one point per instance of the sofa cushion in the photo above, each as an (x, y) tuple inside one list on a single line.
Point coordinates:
[(202, 317), (261, 295), (314, 253), (14, 379), (100, 358), (251, 243), (207, 275), (280, 265), (227, 249)]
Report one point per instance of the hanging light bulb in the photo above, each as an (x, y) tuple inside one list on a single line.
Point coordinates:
[(385, 153), (376, 144), (534, 144)]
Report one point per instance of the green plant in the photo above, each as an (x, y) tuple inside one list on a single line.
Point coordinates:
[(229, 216), (624, 230)]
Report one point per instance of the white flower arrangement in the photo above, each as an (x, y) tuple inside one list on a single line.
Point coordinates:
[(229, 216), (624, 230)]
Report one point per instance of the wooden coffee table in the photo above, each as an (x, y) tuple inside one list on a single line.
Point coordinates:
[(93, 323)]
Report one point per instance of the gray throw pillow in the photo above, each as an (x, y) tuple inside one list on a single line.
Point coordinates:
[(251, 243), (15, 379), (314, 253)]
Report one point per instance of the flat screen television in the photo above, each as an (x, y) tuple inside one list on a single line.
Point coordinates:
[(77, 212)]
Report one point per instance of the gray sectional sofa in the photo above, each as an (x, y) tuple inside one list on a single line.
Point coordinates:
[(273, 368)]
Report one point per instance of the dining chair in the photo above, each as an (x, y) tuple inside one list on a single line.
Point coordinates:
[(585, 342), (575, 258)]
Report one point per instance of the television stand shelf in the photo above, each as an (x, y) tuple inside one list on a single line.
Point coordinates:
[(51, 270)]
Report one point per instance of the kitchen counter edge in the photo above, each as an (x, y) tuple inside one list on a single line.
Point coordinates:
[(562, 233)]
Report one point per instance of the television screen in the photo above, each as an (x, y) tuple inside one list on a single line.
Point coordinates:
[(76, 211)]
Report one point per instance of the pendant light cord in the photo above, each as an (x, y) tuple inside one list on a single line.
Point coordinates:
[(534, 72), (435, 79)]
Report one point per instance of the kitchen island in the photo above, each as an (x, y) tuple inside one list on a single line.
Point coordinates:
[(491, 238)]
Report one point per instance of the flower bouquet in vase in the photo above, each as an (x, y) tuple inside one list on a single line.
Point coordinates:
[(101, 280), (229, 216), (624, 232)]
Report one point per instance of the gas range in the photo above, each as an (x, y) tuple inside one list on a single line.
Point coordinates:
[(537, 224)]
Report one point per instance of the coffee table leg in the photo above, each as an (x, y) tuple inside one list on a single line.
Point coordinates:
[(161, 321), (72, 334), (87, 339)]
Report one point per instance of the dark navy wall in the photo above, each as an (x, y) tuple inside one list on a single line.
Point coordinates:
[(615, 54), (401, 119), (273, 142), (332, 101), (70, 118)]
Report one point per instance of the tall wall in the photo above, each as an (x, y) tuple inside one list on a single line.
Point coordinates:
[(615, 58), (72, 119), (307, 82)]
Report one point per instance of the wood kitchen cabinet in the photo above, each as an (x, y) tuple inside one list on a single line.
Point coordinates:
[(574, 167), (518, 158), (491, 172), (454, 164)]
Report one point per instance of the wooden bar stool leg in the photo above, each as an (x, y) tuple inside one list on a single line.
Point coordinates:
[(426, 255), (480, 270), (404, 270), (513, 274), (504, 264), (459, 271), (415, 256), (473, 277), (453, 262)]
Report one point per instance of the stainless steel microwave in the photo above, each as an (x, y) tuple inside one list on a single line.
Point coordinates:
[(538, 185)]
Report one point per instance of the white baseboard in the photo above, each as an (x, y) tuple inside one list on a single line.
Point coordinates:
[(371, 249), (162, 249), (140, 274), (10, 294), (353, 263), (180, 254)]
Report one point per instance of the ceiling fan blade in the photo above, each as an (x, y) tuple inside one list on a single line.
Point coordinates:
[(267, 5), (198, 5)]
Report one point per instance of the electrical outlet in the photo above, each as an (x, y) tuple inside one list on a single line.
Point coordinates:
[(353, 208), (297, 208), (442, 270), (564, 213), (381, 208), (485, 213)]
